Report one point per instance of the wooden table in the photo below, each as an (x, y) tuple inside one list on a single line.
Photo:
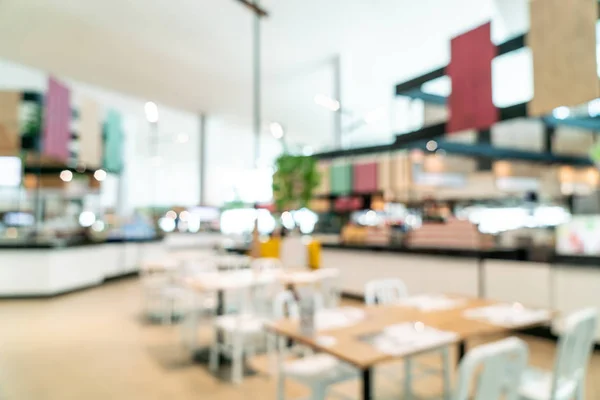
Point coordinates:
[(350, 347)]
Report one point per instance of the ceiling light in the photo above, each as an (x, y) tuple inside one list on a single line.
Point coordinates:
[(594, 108), (171, 214), (166, 224), (66, 175), (431, 145), (184, 215), (183, 138), (100, 175), (98, 226), (151, 110), (87, 219), (327, 102), (561, 113), (276, 130)]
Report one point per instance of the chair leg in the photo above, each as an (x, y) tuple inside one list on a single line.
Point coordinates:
[(190, 329), (213, 362), (280, 386), (271, 351), (446, 373), (237, 362), (580, 391), (319, 392), (408, 366)]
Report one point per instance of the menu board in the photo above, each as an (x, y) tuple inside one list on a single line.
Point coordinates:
[(579, 236)]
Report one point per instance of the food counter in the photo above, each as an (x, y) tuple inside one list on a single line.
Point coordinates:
[(563, 284), (43, 270)]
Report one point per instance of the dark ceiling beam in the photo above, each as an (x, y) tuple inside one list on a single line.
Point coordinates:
[(479, 151), (426, 97), (261, 12), (513, 44), (511, 112), (516, 111), (426, 133), (490, 152), (358, 151), (416, 83), (516, 43)]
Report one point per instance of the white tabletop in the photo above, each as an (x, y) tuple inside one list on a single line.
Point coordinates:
[(239, 279)]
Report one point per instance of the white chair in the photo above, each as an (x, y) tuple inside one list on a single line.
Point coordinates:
[(494, 369), (199, 305), (329, 286), (390, 291), (567, 381), (317, 371), (163, 297), (237, 335), (385, 291)]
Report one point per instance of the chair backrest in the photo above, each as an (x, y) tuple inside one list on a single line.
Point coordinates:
[(254, 295), (265, 264), (494, 369), (285, 301), (329, 286), (233, 262), (385, 291), (573, 352)]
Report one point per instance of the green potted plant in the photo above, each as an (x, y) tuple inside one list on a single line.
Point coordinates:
[(294, 182)]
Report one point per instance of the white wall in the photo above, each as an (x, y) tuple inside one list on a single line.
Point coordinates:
[(175, 175), (230, 166)]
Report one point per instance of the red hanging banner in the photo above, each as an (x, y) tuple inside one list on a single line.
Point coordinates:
[(470, 70), (365, 178), (57, 121)]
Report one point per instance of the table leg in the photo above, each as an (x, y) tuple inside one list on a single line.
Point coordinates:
[(480, 278), (367, 389), (192, 323), (461, 351), (220, 303)]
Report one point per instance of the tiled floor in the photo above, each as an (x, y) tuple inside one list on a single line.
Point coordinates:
[(92, 345)]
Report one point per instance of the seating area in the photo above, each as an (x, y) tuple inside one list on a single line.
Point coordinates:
[(158, 364), (234, 313)]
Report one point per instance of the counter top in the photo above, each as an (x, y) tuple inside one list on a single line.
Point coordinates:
[(80, 243), (580, 261), (503, 254), (492, 254)]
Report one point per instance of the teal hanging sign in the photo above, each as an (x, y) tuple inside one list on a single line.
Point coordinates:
[(113, 142)]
